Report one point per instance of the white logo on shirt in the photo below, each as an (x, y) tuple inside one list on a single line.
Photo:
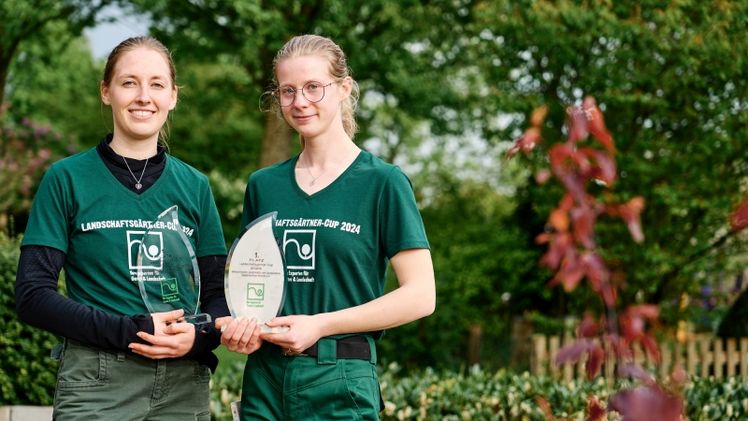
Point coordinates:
[(152, 256), (299, 248)]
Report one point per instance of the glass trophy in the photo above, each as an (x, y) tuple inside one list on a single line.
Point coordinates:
[(255, 278), (168, 275)]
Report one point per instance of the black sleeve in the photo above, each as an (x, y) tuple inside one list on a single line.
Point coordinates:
[(213, 302), (39, 304)]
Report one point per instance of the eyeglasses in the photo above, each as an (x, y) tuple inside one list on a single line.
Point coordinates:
[(312, 91)]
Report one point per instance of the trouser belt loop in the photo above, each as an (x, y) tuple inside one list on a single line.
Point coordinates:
[(57, 351), (120, 356), (373, 348), (327, 352)]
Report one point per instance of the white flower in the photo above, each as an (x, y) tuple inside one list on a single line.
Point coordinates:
[(225, 397), (389, 408), (525, 407)]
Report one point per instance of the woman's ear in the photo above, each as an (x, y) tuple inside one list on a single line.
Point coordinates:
[(174, 95), (104, 92), (347, 86)]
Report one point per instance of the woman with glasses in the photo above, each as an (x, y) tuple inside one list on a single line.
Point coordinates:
[(342, 216)]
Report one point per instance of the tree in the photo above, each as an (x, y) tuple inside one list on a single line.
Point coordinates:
[(400, 52), (54, 81), (667, 78), (21, 20)]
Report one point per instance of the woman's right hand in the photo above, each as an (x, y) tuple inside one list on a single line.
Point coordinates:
[(239, 335)]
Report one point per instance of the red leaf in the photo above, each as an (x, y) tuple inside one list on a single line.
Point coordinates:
[(542, 176), (566, 165), (632, 327), (577, 124), (538, 116), (571, 271), (584, 218), (606, 170), (546, 408), (679, 376), (559, 154), (649, 311), (739, 217), (635, 371), (650, 345), (557, 248), (596, 271), (596, 124), (609, 295), (526, 143), (588, 328), (559, 220), (594, 361), (619, 345), (572, 353), (595, 411), (630, 212), (647, 403)]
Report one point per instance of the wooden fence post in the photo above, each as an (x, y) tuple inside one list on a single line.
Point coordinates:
[(540, 357), (719, 358)]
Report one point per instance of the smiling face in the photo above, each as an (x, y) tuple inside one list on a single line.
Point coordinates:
[(312, 119), (141, 93)]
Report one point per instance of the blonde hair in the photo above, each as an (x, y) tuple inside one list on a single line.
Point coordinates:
[(306, 45), (134, 43)]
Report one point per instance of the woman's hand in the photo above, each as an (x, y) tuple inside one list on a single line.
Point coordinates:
[(172, 337), (239, 335), (303, 332)]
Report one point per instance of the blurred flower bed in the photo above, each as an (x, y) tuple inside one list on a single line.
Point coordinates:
[(476, 394)]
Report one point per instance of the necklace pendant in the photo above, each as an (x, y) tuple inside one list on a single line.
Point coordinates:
[(138, 186)]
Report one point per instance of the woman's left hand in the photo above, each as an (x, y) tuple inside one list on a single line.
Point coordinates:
[(174, 341), (303, 332)]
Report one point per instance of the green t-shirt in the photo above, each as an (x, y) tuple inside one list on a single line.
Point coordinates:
[(84, 211), (337, 242)]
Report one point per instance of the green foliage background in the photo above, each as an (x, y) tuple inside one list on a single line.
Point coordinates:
[(27, 372)]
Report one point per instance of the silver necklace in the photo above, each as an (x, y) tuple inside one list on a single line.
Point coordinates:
[(311, 183), (138, 186), (307, 167)]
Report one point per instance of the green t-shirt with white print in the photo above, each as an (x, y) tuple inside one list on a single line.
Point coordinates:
[(84, 211), (337, 242)]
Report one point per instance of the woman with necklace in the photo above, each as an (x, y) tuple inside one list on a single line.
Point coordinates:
[(88, 216), (354, 215)]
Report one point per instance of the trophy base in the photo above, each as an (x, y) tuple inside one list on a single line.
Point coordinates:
[(198, 319), (278, 329)]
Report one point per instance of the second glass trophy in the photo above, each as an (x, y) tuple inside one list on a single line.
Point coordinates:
[(255, 278)]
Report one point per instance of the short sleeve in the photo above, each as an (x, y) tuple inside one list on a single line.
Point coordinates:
[(400, 221), (49, 217), (211, 231)]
